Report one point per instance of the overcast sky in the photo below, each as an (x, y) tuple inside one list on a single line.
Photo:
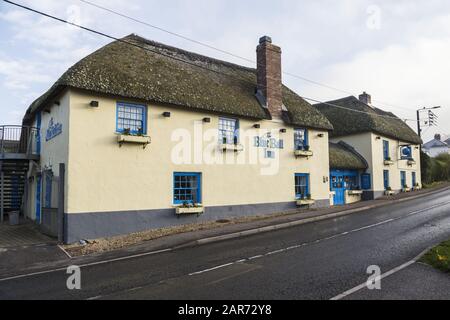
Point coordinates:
[(398, 51)]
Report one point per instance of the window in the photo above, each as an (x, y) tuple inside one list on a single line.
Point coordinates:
[(228, 131), (131, 118), (270, 154), (386, 179), (366, 181), (414, 179), (301, 139), (403, 179), (351, 182), (187, 188), (302, 186), (386, 150)]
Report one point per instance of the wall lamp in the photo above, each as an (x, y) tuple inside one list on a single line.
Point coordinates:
[(378, 138), (94, 104), (283, 130), (206, 120), (57, 103), (166, 114), (257, 126), (321, 135)]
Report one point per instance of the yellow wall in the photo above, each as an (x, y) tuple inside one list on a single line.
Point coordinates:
[(103, 177)]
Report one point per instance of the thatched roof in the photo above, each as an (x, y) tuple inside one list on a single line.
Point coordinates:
[(343, 156), (159, 73), (365, 119)]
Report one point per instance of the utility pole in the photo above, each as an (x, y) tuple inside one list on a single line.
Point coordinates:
[(431, 118)]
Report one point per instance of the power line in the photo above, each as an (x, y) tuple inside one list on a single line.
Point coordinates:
[(175, 58), (226, 52)]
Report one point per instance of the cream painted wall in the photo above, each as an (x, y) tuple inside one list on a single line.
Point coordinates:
[(54, 151), (371, 149), (103, 177)]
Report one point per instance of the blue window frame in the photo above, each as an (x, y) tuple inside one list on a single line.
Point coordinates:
[(366, 182), (414, 179), (228, 131), (301, 139), (403, 179), (386, 179), (406, 152), (132, 118), (187, 188), (386, 155), (302, 185)]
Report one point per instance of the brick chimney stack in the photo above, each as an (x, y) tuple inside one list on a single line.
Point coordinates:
[(366, 98), (269, 75)]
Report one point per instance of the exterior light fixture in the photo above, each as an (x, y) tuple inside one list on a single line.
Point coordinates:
[(283, 130), (94, 104), (320, 135), (257, 126), (57, 103), (166, 114), (206, 120), (378, 138)]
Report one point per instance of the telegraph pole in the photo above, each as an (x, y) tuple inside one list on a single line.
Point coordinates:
[(431, 118)]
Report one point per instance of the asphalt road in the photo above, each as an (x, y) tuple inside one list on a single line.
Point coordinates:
[(314, 261)]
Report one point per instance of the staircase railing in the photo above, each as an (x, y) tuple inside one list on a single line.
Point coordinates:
[(19, 140)]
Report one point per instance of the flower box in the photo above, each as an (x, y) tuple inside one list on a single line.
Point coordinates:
[(406, 190), (389, 193), (305, 202), (189, 210), (231, 147), (303, 153), (142, 140), (388, 162), (355, 192), (411, 162)]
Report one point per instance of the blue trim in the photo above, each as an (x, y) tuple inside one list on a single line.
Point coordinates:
[(236, 128), (199, 186), (38, 198), (386, 149), (144, 116), (38, 134), (304, 175), (305, 141)]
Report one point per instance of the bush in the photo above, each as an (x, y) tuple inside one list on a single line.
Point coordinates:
[(435, 169)]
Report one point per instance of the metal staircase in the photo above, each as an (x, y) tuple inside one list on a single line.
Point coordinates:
[(18, 146)]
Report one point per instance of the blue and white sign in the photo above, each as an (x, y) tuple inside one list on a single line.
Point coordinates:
[(406, 152), (268, 142), (54, 130)]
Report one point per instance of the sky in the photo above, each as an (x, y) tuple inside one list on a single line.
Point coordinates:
[(398, 51)]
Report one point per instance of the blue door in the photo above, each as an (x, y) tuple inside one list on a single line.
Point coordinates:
[(337, 185), (414, 180), (386, 179)]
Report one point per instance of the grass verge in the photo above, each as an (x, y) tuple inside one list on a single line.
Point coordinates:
[(439, 257)]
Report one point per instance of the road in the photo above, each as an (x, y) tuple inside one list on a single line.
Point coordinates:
[(314, 261)]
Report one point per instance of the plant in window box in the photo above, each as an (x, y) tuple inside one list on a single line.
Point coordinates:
[(303, 151), (126, 131), (189, 208), (127, 137), (389, 191)]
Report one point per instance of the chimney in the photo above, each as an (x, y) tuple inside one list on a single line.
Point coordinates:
[(269, 75), (366, 98), (437, 137)]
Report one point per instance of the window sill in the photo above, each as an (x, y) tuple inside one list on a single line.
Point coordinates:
[(142, 140), (388, 162), (303, 153), (190, 210), (305, 202), (231, 147)]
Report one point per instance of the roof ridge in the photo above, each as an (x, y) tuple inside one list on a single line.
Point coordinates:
[(201, 57)]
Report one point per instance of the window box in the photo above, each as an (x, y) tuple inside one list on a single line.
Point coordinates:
[(355, 192), (406, 189), (142, 140), (388, 162), (198, 209), (303, 153), (231, 147), (305, 202), (389, 193), (411, 162)]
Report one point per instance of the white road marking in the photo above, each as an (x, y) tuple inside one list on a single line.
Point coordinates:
[(211, 269), (384, 275), (84, 265)]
